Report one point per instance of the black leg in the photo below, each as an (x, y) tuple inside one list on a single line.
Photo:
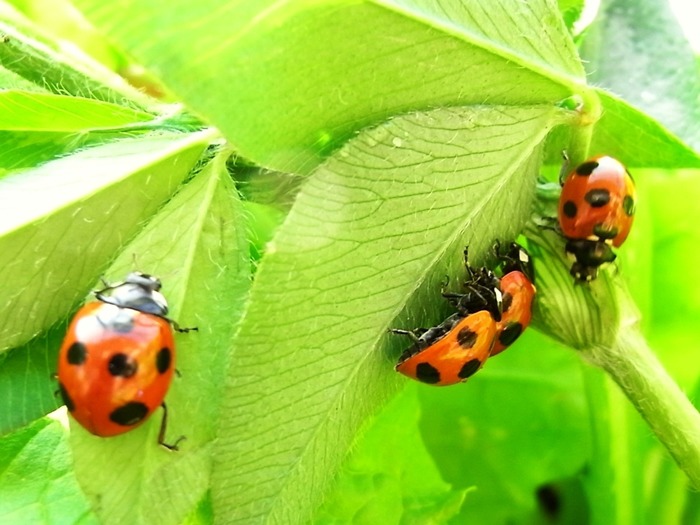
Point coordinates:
[(408, 333), (161, 433), (178, 328)]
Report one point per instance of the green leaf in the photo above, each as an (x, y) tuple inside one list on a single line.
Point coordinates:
[(520, 423), (390, 478), (36, 479), (61, 221), (636, 48), (44, 62), (27, 388), (11, 80), (631, 136), (372, 232), (570, 11), (61, 19), (31, 149), (24, 111), (196, 245), (289, 82)]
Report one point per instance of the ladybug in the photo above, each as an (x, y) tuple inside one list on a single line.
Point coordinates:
[(457, 348), (451, 352), (596, 211), (518, 292), (118, 357)]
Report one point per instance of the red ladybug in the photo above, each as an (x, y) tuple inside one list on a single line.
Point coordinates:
[(518, 293), (451, 352), (491, 314), (118, 357), (596, 211)]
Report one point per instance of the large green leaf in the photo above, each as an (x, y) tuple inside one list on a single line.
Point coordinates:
[(36, 479), (196, 245), (372, 232), (389, 477), (287, 82), (60, 222)]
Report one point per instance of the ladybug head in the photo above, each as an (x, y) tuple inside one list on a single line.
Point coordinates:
[(139, 291), (589, 256), (516, 259), (144, 280)]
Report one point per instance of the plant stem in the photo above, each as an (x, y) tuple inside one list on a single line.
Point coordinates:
[(580, 143), (659, 400)]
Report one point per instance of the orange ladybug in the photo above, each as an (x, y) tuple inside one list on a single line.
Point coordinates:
[(596, 211), (448, 353), (118, 357)]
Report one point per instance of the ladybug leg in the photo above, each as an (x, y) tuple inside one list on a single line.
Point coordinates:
[(107, 286), (161, 432), (411, 334), (178, 328), (457, 300), (497, 249), (547, 223), (467, 266), (444, 283)]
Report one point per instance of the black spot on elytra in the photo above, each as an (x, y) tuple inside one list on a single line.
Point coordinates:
[(427, 373), (469, 368), (628, 205), (121, 365), (570, 209), (605, 233), (66, 398), (466, 338), (506, 302), (77, 354), (510, 333), (598, 198), (129, 414), (587, 168), (163, 360)]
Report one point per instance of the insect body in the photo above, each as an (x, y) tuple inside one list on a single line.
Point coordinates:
[(118, 357), (491, 314), (451, 352), (596, 211)]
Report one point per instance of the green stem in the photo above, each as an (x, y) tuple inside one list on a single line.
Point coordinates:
[(645, 382), (580, 143)]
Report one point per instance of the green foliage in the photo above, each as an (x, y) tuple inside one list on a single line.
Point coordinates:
[(319, 175), (36, 477)]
